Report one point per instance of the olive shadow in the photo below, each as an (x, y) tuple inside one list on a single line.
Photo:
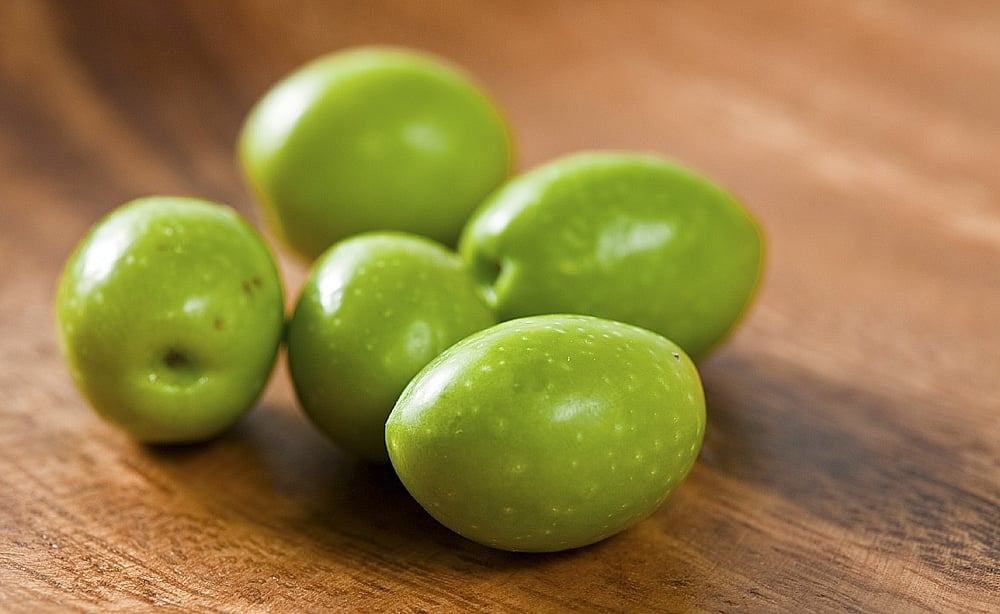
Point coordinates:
[(774, 427), (849, 456), (275, 470)]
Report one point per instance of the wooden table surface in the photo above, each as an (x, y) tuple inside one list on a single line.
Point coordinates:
[(852, 459)]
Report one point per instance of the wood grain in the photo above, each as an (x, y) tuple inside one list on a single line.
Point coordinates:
[(852, 459)]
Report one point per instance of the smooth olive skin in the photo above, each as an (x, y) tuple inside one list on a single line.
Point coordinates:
[(622, 236), (373, 138), (376, 308), (550, 432), (170, 314)]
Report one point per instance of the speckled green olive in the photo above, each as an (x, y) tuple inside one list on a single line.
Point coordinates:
[(373, 139), (547, 433), (375, 309), (622, 236), (170, 315)]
